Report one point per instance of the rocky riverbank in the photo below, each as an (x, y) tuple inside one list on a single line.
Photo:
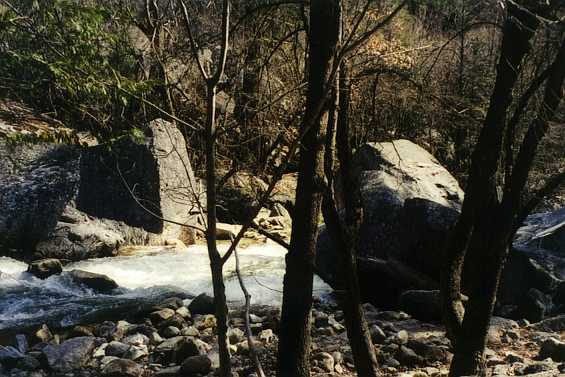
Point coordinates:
[(178, 338)]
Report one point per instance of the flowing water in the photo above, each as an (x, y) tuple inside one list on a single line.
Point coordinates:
[(145, 277)]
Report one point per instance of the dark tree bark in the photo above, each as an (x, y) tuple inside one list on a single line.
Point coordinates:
[(483, 232), (294, 343), (345, 233)]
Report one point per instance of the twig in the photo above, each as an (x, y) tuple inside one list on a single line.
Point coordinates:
[(248, 333)]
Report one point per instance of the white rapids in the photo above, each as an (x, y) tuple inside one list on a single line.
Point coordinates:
[(144, 277)]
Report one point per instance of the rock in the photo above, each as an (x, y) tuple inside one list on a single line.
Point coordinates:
[(202, 304), (190, 331), (408, 357), (110, 331), (44, 268), (80, 331), (122, 368), (422, 305), (71, 354), (162, 315), (136, 352), (117, 349), (196, 364), (235, 335), (410, 203), (325, 361), (43, 334), (184, 312), (9, 356), (67, 202), (553, 349), (97, 282), (266, 336), (207, 321), (36, 183), (401, 337), (136, 340), (170, 331), (178, 348), (28, 363), (168, 372), (377, 334), (533, 306), (238, 197), (21, 343), (555, 324)]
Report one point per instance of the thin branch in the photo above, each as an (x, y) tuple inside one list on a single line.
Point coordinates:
[(193, 45), (248, 333)]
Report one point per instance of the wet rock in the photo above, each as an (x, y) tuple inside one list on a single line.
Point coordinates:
[(43, 334), (136, 339), (183, 312), (97, 282), (190, 331), (202, 304), (28, 363), (122, 368), (266, 336), (110, 331), (377, 334), (71, 354), (400, 338), (422, 305), (325, 361), (117, 349), (408, 357), (44, 268), (170, 331), (79, 330), (553, 349), (168, 372), (235, 335), (9, 356), (161, 315), (196, 364), (21, 343)]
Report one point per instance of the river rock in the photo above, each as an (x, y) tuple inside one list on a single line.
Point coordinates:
[(44, 268), (410, 202), (9, 356), (202, 304), (422, 305), (553, 349), (238, 197), (71, 354), (193, 365), (97, 282), (122, 368)]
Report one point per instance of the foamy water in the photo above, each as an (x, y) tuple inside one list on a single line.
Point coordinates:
[(145, 277)]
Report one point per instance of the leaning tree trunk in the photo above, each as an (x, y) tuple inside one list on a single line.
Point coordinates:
[(294, 343)]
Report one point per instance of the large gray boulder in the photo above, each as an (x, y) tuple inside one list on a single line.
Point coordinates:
[(37, 181), (410, 202), (73, 203)]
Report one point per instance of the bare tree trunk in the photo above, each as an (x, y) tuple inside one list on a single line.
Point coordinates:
[(216, 264), (486, 223), (294, 343), (345, 235)]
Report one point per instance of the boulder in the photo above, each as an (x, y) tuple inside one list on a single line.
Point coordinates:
[(71, 203), (97, 282), (70, 355), (37, 181), (157, 166), (410, 202), (44, 268)]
